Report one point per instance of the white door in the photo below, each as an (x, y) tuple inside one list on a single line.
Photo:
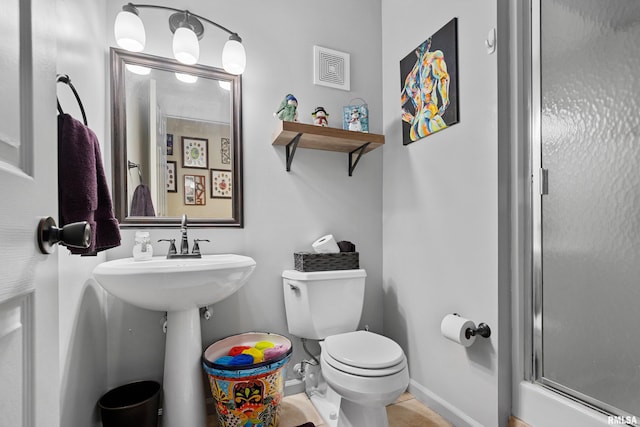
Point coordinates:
[(29, 368)]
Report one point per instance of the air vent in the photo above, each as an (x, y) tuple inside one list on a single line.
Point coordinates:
[(331, 68)]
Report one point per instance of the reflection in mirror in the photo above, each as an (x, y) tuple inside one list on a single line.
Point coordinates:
[(177, 146)]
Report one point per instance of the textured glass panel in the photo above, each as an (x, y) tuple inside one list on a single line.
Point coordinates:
[(590, 51)]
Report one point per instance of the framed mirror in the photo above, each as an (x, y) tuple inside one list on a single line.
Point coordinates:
[(177, 142)]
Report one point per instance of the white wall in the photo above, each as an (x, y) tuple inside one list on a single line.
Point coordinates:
[(441, 228), (82, 55), (284, 212)]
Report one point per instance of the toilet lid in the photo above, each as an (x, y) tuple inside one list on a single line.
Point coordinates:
[(362, 349)]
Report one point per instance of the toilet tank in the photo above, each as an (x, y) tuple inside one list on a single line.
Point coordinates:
[(323, 303)]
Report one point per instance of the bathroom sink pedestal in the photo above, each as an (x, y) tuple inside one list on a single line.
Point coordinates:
[(184, 403), (178, 286)]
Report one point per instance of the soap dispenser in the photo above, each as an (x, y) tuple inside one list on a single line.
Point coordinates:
[(142, 249)]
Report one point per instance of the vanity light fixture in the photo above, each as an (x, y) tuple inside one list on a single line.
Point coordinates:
[(138, 69), (187, 29), (186, 78)]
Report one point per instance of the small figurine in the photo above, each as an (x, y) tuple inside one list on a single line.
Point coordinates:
[(288, 109), (320, 117), (354, 121)]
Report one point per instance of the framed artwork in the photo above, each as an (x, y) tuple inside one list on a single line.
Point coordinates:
[(195, 153), (429, 85), (171, 177), (195, 190), (221, 184), (225, 151), (169, 144)]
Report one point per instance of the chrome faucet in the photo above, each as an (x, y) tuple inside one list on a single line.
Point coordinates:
[(184, 244)]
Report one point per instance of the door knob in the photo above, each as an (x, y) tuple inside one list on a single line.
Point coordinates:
[(75, 235)]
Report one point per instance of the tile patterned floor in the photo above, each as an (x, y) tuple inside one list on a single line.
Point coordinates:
[(405, 412)]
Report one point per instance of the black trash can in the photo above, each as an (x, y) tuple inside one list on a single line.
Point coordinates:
[(131, 405)]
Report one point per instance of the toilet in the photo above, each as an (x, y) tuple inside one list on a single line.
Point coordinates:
[(360, 372)]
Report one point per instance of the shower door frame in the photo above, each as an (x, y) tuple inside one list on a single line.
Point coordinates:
[(533, 94)]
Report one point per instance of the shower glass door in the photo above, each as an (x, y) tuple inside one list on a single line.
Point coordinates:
[(587, 225)]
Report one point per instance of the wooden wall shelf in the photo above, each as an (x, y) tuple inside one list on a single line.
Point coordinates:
[(294, 135)]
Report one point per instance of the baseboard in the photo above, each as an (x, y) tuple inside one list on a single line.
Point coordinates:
[(294, 386), (448, 411)]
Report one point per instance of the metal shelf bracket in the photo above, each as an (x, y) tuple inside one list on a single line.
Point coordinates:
[(354, 157), (291, 150)]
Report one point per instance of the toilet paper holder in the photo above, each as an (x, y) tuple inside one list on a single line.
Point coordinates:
[(483, 330)]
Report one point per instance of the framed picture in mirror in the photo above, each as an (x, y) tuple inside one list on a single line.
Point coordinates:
[(195, 153), (195, 190), (171, 177), (169, 144), (221, 184), (225, 151)]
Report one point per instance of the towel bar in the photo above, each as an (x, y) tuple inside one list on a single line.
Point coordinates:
[(64, 78)]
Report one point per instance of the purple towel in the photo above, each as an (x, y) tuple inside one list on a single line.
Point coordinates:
[(141, 203), (83, 193)]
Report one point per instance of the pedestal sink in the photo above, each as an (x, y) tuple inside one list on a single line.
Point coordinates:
[(178, 286)]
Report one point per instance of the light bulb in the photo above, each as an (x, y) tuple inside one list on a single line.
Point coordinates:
[(129, 31), (234, 58), (186, 78), (138, 69), (185, 46)]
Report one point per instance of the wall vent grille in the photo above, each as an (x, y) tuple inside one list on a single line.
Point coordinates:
[(331, 68)]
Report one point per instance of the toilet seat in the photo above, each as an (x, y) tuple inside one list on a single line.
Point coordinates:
[(363, 372), (364, 354)]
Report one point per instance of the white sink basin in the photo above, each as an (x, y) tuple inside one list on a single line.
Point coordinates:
[(178, 286), (175, 284)]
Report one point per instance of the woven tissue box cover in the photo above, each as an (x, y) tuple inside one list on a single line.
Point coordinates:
[(307, 261)]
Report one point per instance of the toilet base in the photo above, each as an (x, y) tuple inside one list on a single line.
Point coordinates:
[(325, 400), (328, 406), (355, 415), (337, 411)]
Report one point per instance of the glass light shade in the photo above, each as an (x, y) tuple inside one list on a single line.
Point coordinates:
[(138, 69), (129, 31), (234, 58), (186, 78), (225, 84), (186, 48)]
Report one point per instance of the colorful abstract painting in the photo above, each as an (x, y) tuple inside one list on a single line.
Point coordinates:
[(429, 85)]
